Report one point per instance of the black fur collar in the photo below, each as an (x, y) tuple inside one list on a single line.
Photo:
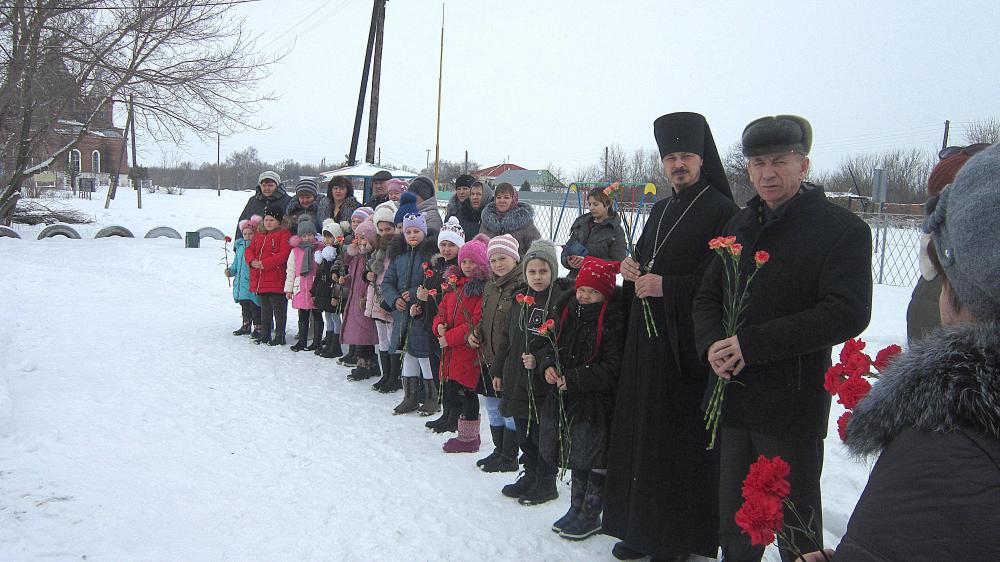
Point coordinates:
[(427, 248), (513, 220), (950, 381)]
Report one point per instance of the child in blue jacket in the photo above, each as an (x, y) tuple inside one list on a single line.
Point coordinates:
[(240, 272)]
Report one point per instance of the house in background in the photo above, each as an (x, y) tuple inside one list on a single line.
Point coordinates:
[(491, 173), (537, 180)]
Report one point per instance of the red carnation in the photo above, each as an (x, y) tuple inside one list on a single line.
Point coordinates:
[(767, 477), (529, 300), (884, 357), (852, 391), (761, 257), (761, 517), (425, 265), (519, 298), (444, 286), (428, 274), (228, 239), (835, 376), (716, 243), (842, 425), (736, 249), (858, 364), (851, 347), (433, 292)]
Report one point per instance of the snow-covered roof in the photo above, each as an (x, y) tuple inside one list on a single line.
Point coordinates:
[(365, 170)]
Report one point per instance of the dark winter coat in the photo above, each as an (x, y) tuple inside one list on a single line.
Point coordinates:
[(317, 210), (934, 420), (258, 202), (429, 209), (591, 367), (470, 219), (604, 240), (454, 205), (662, 486), (325, 288), (923, 314), (459, 312), (518, 222), (406, 274), (498, 301), (814, 293), (272, 249), (524, 390), (343, 214)]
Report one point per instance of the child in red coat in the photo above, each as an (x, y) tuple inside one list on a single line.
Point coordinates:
[(267, 257), (460, 311)]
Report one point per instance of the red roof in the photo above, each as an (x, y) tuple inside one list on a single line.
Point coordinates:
[(494, 171)]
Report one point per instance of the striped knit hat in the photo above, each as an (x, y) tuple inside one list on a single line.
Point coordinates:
[(504, 244), (363, 212)]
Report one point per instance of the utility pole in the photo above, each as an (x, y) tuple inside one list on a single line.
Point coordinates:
[(380, 156), (437, 140), (947, 126), (606, 164), (376, 75), (218, 163), (428, 163), (353, 153), (138, 188), (465, 167)]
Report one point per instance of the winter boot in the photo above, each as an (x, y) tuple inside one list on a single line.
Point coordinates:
[(263, 336), (577, 491), (467, 440), (333, 349), (318, 339), (409, 403), (373, 368), (325, 345), (396, 368), (507, 460), (362, 371), (497, 432), (430, 405), (622, 551), (302, 338), (525, 481), (543, 490), (446, 409), (588, 522), (383, 358), (351, 359), (451, 417), (243, 330), (277, 340)]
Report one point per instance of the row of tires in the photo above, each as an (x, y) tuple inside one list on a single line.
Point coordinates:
[(158, 232)]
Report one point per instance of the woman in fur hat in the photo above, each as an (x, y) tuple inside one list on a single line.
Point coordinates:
[(506, 215)]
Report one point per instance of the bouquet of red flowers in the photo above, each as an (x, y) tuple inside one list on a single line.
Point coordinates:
[(737, 298), (848, 379), (526, 302), (546, 330), (762, 516)]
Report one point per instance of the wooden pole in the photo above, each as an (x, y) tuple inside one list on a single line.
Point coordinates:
[(376, 80), (218, 163), (353, 153), (138, 187), (437, 141), (944, 142)]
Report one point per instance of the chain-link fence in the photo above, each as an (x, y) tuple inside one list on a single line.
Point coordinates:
[(895, 248)]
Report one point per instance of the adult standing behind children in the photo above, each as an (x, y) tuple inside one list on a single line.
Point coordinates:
[(507, 215), (662, 485), (463, 187), (814, 293), (470, 212), (597, 233), (307, 201), (427, 201), (379, 193), (269, 193), (341, 203)]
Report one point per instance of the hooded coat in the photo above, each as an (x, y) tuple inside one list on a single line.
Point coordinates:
[(358, 329), (459, 311), (272, 249), (590, 340), (324, 288), (378, 262), (406, 274), (300, 286), (604, 240), (934, 420), (258, 202), (239, 270), (518, 222)]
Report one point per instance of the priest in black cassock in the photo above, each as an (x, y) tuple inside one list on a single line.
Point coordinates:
[(662, 483)]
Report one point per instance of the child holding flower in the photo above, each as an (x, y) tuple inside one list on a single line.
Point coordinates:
[(581, 364)]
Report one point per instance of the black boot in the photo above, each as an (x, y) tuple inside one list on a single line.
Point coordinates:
[(543, 490), (588, 522), (525, 481), (244, 330), (373, 368), (497, 432), (507, 460), (318, 339), (396, 366), (577, 491), (362, 371), (622, 551), (333, 350), (263, 336), (302, 338), (325, 345), (351, 359), (277, 340), (450, 424), (383, 358)]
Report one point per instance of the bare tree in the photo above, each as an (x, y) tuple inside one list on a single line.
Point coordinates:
[(735, 165), (188, 66), (983, 130)]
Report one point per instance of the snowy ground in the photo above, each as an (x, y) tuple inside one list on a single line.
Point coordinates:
[(134, 426)]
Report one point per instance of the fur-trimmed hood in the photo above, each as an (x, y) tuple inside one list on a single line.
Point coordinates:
[(427, 247), (513, 220), (949, 382)]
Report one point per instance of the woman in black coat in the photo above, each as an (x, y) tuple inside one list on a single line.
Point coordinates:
[(340, 201)]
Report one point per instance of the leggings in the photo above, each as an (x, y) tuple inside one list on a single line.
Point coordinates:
[(273, 312), (415, 366), (333, 322), (317, 324), (493, 412), (527, 438), (384, 330), (470, 403), (251, 312)]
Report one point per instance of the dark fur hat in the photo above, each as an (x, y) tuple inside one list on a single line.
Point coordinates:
[(776, 135)]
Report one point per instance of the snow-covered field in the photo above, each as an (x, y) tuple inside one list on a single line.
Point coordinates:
[(133, 426)]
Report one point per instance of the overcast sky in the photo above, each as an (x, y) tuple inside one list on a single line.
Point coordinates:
[(556, 81)]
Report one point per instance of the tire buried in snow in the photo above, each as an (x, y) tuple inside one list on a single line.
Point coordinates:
[(209, 232), (109, 231), (8, 233), (58, 230), (163, 231)]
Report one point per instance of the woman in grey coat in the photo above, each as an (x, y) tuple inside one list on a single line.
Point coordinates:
[(598, 233), (506, 215)]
